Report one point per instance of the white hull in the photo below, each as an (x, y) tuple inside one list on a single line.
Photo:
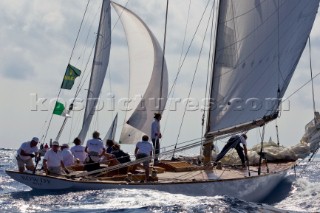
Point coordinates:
[(254, 188)]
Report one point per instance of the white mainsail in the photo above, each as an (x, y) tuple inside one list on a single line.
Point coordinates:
[(146, 72), (99, 67), (112, 130), (258, 46)]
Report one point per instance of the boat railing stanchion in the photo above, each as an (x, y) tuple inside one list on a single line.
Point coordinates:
[(37, 159), (248, 167)]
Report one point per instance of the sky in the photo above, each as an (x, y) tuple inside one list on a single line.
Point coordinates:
[(36, 42)]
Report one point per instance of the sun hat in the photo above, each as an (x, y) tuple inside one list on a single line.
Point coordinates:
[(55, 143)]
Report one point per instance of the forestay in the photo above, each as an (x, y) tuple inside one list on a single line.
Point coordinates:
[(259, 44), (145, 76), (99, 67)]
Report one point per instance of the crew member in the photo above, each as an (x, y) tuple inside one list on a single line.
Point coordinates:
[(234, 142), (53, 161), (144, 150), (156, 135), (78, 151), (95, 148), (25, 153)]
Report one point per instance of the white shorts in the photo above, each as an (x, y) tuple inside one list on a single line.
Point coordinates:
[(21, 163), (55, 170)]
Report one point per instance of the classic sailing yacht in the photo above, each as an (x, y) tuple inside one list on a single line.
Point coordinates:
[(258, 46)]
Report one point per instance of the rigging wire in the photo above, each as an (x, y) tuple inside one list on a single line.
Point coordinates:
[(80, 85), (261, 149), (194, 75), (75, 43), (187, 52), (311, 73), (209, 67), (181, 53), (277, 131), (279, 67), (164, 52), (189, 47), (297, 90)]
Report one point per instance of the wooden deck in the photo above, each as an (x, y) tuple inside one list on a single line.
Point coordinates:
[(181, 171), (226, 172)]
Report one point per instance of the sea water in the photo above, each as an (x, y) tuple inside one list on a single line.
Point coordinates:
[(299, 192)]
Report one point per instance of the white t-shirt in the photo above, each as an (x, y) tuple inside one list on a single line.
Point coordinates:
[(243, 140), (144, 147), (95, 145), (53, 158), (78, 152), (67, 156), (26, 147), (155, 128)]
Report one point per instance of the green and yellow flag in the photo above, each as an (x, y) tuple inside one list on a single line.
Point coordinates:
[(71, 74)]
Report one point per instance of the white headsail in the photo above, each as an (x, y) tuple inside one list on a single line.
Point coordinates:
[(259, 44), (146, 72), (99, 67)]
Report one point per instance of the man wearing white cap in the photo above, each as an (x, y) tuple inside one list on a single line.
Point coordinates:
[(68, 158), (25, 154), (53, 161)]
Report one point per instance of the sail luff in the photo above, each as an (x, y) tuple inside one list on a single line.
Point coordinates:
[(112, 130), (99, 66), (213, 67), (252, 37), (207, 147)]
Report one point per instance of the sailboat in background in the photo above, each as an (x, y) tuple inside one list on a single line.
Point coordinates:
[(258, 46), (112, 129)]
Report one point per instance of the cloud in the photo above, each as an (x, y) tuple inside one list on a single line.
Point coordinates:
[(18, 67), (36, 41)]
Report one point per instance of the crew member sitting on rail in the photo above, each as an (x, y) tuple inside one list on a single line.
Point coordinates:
[(109, 144), (25, 154), (120, 155), (53, 161), (68, 158), (78, 151), (95, 148), (234, 142), (143, 150)]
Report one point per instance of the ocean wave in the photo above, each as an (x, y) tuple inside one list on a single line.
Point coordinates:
[(301, 194)]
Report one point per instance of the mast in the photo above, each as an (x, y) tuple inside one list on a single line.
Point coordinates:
[(208, 144), (163, 57), (99, 66)]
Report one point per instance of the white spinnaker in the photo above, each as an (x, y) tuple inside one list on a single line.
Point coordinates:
[(250, 35), (145, 76), (112, 130), (99, 67)]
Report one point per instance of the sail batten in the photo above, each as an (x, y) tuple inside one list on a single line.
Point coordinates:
[(99, 67), (259, 44)]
